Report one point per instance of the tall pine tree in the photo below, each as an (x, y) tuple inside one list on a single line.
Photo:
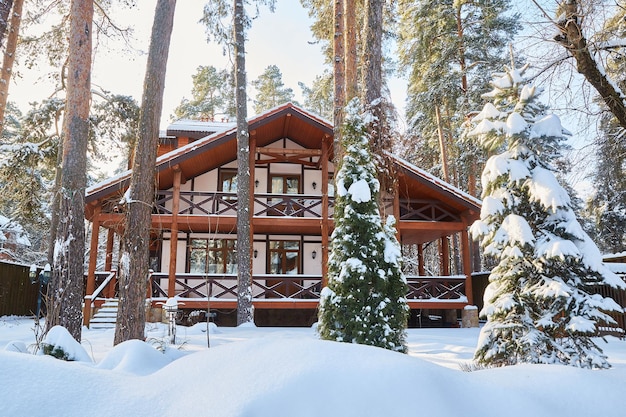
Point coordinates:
[(213, 94), (364, 301), (271, 91), (448, 50), (538, 303)]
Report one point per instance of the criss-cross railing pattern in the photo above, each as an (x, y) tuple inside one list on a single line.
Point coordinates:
[(295, 287), (440, 288), (222, 203)]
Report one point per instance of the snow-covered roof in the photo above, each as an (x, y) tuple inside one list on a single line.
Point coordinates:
[(190, 157), (457, 192), (614, 256), (188, 125), (616, 267)]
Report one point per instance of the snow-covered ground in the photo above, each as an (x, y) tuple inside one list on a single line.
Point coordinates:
[(288, 372)]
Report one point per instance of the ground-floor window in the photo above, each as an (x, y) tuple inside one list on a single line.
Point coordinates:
[(213, 256), (284, 257)]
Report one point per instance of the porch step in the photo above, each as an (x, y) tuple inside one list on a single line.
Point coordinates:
[(106, 316)]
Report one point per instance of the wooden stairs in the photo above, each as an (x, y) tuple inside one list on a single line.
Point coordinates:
[(106, 315)]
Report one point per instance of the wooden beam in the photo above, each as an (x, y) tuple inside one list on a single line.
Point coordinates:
[(283, 151), (467, 265), (436, 226), (171, 286), (251, 164), (108, 259), (91, 269), (445, 256), (325, 227), (278, 304)]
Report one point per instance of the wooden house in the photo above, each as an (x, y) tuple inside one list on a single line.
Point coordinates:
[(193, 229)]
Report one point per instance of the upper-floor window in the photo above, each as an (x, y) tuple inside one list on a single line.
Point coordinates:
[(285, 184), (228, 180), (212, 256), (284, 257)]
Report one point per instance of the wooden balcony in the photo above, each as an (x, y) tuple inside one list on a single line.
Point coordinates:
[(225, 204), (298, 291)]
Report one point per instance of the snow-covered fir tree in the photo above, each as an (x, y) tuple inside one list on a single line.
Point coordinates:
[(364, 301), (538, 303)]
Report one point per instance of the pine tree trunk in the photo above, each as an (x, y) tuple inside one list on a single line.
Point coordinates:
[(339, 78), (133, 272), (442, 144), (574, 41), (245, 313), (350, 51), (9, 57), (373, 52), (5, 10), (66, 295)]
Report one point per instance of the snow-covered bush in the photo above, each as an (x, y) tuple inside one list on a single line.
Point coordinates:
[(60, 344), (538, 303), (364, 301)]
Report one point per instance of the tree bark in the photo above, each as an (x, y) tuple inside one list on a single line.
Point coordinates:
[(5, 10), (66, 295), (350, 52), (133, 272), (571, 37), (245, 313), (373, 52), (373, 78), (339, 77), (442, 144), (9, 56)]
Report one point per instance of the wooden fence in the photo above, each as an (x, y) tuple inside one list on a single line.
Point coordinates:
[(17, 295)]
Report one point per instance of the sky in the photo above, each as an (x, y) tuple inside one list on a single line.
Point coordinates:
[(289, 372), (281, 38)]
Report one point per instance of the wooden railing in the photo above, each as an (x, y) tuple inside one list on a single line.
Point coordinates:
[(294, 205), (439, 287), (224, 286), (221, 203), (90, 298), (296, 287)]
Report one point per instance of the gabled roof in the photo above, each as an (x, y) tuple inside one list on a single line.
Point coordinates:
[(416, 181), (216, 149), (286, 121)]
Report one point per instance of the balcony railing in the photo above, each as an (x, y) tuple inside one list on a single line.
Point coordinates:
[(296, 287), (293, 205), (222, 203)]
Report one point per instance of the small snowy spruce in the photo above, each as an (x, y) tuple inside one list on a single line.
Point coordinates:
[(365, 300), (538, 303)]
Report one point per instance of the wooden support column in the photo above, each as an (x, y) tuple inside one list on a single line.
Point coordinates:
[(325, 212), (108, 260), (396, 209), (445, 256), (171, 284), (421, 270), (467, 265), (252, 164), (109, 291), (93, 258)]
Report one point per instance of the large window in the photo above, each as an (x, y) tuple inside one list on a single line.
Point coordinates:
[(213, 256), (284, 257), (228, 180), (285, 184)]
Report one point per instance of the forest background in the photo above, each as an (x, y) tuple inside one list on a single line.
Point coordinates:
[(284, 38)]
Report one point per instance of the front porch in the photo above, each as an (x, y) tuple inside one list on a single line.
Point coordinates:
[(271, 292)]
